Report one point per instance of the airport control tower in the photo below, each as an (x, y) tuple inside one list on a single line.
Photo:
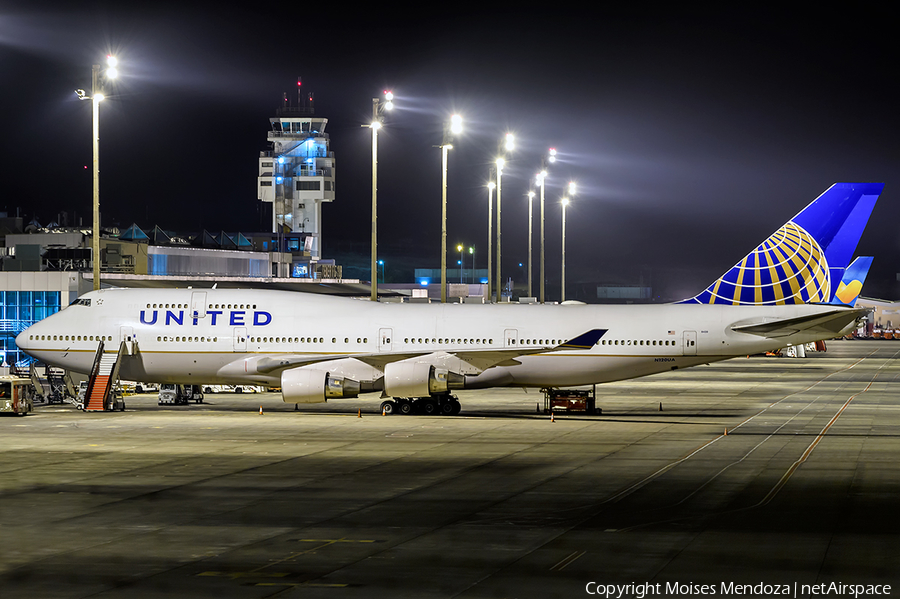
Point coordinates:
[(297, 174)]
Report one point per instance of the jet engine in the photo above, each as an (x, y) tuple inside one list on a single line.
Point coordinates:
[(418, 379), (305, 385)]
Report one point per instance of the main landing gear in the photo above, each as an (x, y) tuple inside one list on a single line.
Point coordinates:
[(439, 405)]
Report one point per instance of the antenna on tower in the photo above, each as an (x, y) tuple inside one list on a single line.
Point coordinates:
[(304, 105), (305, 100)]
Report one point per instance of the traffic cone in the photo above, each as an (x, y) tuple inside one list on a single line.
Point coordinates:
[(726, 433), (260, 411), (552, 418), (384, 411), (359, 413)]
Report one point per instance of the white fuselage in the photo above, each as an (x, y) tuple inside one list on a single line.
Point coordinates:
[(220, 336)]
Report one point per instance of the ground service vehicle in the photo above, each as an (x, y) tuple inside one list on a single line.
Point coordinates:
[(179, 395), (16, 395)]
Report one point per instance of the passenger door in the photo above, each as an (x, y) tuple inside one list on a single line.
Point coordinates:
[(384, 340), (690, 343), (511, 338), (240, 339), (126, 335), (198, 304)]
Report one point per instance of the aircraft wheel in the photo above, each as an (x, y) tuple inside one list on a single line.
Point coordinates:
[(428, 406), (405, 407), (388, 407), (457, 407), (447, 408)]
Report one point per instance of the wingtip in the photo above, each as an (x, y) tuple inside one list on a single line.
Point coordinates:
[(584, 341)]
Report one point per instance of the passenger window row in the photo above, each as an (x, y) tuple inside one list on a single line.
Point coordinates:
[(667, 342), (210, 307), (303, 340), (166, 338), (442, 340), (231, 306), (69, 338)]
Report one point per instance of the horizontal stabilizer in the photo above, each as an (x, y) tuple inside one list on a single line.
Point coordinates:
[(827, 322)]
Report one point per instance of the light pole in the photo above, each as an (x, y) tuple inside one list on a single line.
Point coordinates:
[(379, 106), (452, 128), (490, 187), (540, 180), (551, 157), (459, 248), (472, 252), (565, 202), (98, 77), (381, 264), (530, 235), (507, 146)]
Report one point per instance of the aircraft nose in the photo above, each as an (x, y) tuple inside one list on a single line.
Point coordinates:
[(22, 340)]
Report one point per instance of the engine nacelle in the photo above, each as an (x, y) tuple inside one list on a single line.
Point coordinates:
[(418, 379), (305, 385)]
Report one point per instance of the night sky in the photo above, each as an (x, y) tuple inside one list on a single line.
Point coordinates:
[(692, 135)]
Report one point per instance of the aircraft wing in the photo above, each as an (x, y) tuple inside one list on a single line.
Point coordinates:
[(482, 359), (479, 359), (825, 322)]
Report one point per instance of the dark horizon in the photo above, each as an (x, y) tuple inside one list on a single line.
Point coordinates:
[(692, 136)]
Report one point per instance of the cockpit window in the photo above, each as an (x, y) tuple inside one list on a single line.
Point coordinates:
[(81, 302)]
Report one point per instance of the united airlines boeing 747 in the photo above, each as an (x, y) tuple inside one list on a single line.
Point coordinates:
[(784, 292)]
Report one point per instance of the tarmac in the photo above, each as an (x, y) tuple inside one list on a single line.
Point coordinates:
[(760, 471)]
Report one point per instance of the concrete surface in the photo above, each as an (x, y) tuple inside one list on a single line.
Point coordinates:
[(214, 500)]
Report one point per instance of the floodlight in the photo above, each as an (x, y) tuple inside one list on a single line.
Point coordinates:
[(456, 124)]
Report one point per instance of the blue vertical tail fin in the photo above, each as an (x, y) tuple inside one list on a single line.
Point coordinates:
[(803, 261)]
